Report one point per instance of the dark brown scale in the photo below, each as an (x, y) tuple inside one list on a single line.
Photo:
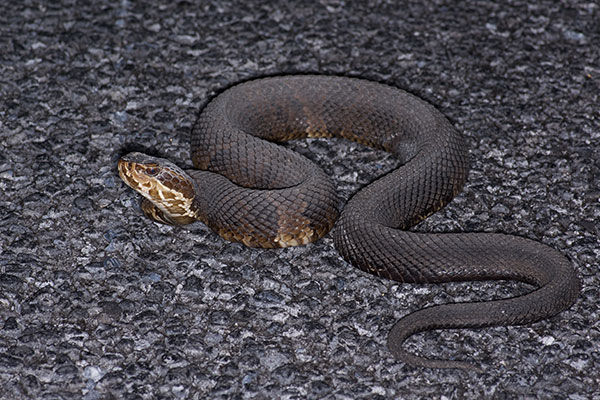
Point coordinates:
[(265, 179)]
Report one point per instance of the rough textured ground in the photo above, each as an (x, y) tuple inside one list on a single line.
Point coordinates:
[(97, 302)]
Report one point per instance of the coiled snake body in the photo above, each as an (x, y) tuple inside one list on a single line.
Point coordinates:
[(251, 190)]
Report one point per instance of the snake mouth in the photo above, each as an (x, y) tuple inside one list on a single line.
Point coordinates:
[(126, 173)]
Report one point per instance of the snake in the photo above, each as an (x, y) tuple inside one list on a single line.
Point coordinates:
[(248, 188)]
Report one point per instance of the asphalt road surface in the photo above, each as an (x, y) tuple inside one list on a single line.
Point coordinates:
[(97, 302)]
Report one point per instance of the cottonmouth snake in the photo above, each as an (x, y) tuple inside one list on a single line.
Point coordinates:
[(249, 189)]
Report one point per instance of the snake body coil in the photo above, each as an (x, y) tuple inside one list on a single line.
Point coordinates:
[(248, 189)]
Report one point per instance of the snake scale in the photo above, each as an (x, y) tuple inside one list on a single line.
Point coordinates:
[(249, 189)]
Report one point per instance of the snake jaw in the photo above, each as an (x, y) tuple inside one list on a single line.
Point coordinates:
[(168, 189)]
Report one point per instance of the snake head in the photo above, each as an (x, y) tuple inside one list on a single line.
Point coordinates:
[(168, 190)]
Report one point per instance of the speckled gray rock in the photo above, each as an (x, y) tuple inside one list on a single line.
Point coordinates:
[(97, 302)]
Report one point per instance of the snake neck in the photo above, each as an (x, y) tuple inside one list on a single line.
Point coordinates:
[(160, 214), (190, 204), (173, 208)]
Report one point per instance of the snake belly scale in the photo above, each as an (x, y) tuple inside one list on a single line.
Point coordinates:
[(249, 189)]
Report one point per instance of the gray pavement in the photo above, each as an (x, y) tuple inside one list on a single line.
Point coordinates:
[(97, 302)]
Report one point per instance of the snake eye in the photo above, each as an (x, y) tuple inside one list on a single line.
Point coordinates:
[(152, 171)]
